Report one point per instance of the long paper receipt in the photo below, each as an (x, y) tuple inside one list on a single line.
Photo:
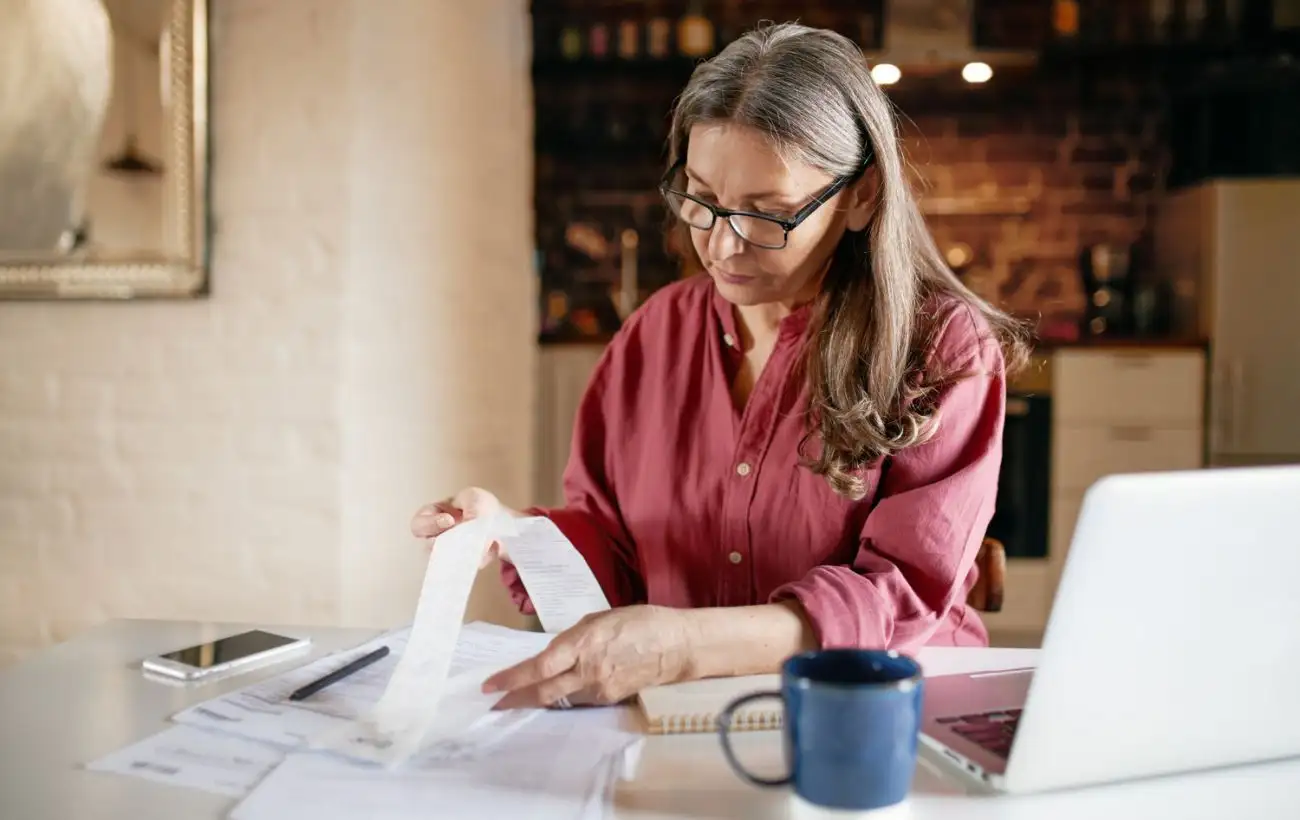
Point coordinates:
[(558, 581)]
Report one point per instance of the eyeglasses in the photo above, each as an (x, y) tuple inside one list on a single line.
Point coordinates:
[(760, 230)]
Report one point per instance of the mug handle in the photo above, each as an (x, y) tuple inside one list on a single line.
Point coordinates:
[(724, 735)]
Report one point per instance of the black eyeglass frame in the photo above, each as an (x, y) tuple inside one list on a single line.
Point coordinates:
[(787, 225)]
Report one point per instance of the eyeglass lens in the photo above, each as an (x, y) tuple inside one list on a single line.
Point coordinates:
[(762, 232)]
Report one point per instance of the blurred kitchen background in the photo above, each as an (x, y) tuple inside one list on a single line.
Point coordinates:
[(422, 221)]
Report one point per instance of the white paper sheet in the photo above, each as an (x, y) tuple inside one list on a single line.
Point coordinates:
[(561, 766), (263, 712), (559, 582), (195, 758)]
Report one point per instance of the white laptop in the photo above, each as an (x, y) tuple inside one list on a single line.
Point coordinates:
[(1173, 643)]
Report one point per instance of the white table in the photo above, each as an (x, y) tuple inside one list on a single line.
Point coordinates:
[(77, 701)]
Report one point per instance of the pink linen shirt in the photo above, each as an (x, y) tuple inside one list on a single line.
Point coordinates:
[(675, 497)]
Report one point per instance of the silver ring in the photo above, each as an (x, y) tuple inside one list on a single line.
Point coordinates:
[(563, 703)]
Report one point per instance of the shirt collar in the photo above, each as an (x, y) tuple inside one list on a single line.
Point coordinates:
[(792, 325)]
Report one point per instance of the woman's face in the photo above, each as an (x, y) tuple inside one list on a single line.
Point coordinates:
[(734, 166)]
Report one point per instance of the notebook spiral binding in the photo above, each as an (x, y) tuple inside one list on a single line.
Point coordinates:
[(708, 722)]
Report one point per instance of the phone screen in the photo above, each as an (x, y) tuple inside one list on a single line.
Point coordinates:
[(223, 650)]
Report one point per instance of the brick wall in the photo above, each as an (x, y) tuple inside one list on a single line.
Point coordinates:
[(255, 456), (1062, 164), (1085, 145)]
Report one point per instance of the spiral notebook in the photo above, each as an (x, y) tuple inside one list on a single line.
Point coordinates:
[(694, 706)]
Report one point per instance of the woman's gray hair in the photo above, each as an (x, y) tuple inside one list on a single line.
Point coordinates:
[(810, 93)]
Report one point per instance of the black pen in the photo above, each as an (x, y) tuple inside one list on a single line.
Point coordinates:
[(339, 674)]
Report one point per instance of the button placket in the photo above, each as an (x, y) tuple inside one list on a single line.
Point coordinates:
[(758, 426), (739, 499)]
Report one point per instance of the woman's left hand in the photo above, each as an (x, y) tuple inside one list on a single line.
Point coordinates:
[(604, 658)]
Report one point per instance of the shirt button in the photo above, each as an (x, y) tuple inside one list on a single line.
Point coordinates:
[(742, 469), (735, 558), (729, 339)]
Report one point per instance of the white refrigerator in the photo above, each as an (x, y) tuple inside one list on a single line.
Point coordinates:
[(1231, 251)]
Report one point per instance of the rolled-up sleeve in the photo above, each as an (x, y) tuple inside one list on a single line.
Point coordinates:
[(590, 517), (920, 540)]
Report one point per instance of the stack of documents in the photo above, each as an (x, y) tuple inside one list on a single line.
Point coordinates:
[(563, 764), (555, 768), (412, 733)]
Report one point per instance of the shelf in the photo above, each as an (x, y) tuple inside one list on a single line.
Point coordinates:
[(1124, 56), (674, 69), (958, 206), (1080, 53)]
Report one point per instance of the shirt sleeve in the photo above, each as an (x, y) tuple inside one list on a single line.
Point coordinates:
[(590, 517), (936, 499)]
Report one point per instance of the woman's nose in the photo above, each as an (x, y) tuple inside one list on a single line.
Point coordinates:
[(724, 242)]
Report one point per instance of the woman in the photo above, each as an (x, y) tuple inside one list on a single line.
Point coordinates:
[(798, 446)]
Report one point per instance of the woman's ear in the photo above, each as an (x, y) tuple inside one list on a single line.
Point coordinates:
[(862, 200)]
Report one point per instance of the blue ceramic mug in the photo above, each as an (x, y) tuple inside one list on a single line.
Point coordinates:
[(852, 717)]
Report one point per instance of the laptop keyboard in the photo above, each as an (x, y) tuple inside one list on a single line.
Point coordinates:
[(992, 731)]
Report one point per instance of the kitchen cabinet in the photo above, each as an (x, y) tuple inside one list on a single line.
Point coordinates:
[(1115, 409), (1231, 251), (1127, 410)]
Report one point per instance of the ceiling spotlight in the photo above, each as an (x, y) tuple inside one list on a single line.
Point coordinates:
[(977, 72), (886, 74)]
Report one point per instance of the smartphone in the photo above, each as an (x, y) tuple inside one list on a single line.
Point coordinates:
[(224, 654)]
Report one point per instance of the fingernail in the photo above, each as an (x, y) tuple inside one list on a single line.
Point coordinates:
[(444, 520), (427, 512)]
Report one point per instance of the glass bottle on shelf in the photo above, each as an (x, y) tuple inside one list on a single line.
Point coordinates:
[(557, 311), (629, 36), (628, 285), (598, 40), (1232, 13), (1132, 23), (1195, 20), (570, 42), (1176, 30), (1159, 14), (1216, 20), (1065, 19), (694, 32), (658, 33), (1286, 15)]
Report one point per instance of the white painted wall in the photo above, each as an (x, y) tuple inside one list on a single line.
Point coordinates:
[(439, 307), (368, 344)]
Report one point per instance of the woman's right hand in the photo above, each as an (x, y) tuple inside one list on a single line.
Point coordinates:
[(434, 519)]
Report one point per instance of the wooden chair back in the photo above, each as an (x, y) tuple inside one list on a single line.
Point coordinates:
[(986, 595)]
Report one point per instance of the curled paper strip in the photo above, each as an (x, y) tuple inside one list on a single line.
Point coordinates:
[(404, 714), (407, 716)]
